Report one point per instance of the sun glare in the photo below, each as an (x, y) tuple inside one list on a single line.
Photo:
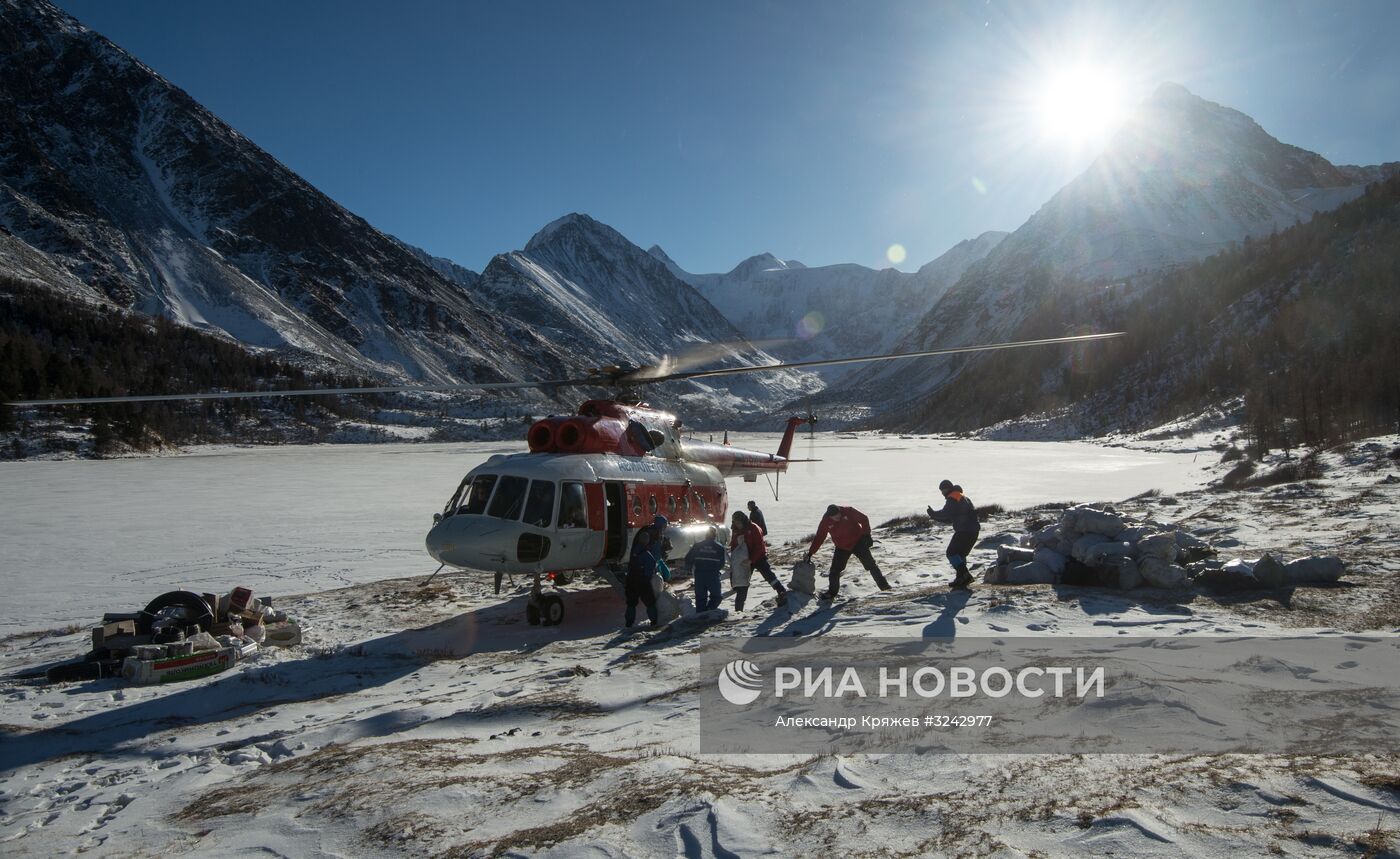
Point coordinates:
[(1080, 106)]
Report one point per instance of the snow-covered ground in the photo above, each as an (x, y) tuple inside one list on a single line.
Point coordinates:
[(435, 721)]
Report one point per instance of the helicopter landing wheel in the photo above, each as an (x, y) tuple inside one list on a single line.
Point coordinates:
[(532, 613), (551, 610)]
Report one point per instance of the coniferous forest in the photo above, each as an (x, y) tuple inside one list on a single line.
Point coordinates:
[(52, 346)]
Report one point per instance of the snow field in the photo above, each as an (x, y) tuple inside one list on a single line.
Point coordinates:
[(435, 721)]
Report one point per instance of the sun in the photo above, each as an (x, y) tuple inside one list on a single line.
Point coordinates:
[(1079, 106)]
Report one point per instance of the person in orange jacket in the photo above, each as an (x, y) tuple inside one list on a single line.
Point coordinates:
[(741, 528), (850, 535)]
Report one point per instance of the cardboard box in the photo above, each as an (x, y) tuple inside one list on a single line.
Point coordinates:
[(101, 634), (175, 669)]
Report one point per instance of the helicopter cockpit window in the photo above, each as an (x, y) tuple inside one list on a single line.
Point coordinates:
[(539, 506), (573, 510), (478, 494), (509, 498), (639, 436)]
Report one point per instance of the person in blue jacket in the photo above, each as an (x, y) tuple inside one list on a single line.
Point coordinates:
[(637, 586), (705, 560)]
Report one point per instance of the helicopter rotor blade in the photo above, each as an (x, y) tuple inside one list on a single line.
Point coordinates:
[(889, 356), (600, 379), (694, 355), (307, 392)]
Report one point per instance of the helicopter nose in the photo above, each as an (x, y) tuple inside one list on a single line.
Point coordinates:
[(466, 541)]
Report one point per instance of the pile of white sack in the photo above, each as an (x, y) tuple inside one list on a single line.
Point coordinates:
[(1097, 546)]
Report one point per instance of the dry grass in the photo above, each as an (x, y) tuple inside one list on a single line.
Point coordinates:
[(1383, 781), (1307, 468)]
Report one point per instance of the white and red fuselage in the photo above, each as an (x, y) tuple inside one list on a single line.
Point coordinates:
[(588, 483)]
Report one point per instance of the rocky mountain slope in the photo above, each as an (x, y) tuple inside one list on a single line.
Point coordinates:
[(586, 289), (1298, 328), (1184, 179), (117, 187), (834, 310)]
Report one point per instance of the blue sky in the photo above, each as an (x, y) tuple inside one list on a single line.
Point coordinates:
[(823, 132)]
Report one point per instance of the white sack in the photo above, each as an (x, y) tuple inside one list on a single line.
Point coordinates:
[(1106, 553), (804, 577), (1162, 574), (1052, 559), (1132, 534), (1032, 573), (1128, 575), (1081, 547), (1304, 571), (1014, 555), (740, 570), (1091, 521), (1161, 546)]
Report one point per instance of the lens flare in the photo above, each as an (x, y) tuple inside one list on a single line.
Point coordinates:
[(810, 325), (979, 186), (1080, 105), (896, 253)]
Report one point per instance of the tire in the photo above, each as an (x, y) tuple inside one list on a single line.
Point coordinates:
[(562, 578), (552, 609), (192, 606), (532, 614)]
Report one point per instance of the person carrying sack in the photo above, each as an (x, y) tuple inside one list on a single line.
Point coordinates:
[(752, 537), (641, 570), (740, 571), (850, 535)]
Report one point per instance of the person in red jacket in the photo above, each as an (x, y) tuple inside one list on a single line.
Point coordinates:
[(741, 527), (850, 535)]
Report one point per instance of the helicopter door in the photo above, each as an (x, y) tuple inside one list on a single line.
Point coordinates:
[(616, 544)]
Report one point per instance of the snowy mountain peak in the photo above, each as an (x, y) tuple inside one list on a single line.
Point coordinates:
[(757, 263), (572, 228), (1168, 92), (950, 265), (672, 266)]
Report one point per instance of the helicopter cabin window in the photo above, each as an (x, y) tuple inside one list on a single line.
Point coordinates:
[(671, 505), (509, 498), (478, 494), (539, 506), (653, 505), (636, 506), (573, 510)]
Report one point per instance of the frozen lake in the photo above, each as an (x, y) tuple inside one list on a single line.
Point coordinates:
[(81, 537)]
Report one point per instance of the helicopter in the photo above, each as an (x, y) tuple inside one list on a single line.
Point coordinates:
[(589, 481)]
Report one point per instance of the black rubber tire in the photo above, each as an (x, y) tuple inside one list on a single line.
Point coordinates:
[(532, 614), (197, 611), (552, 609)]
